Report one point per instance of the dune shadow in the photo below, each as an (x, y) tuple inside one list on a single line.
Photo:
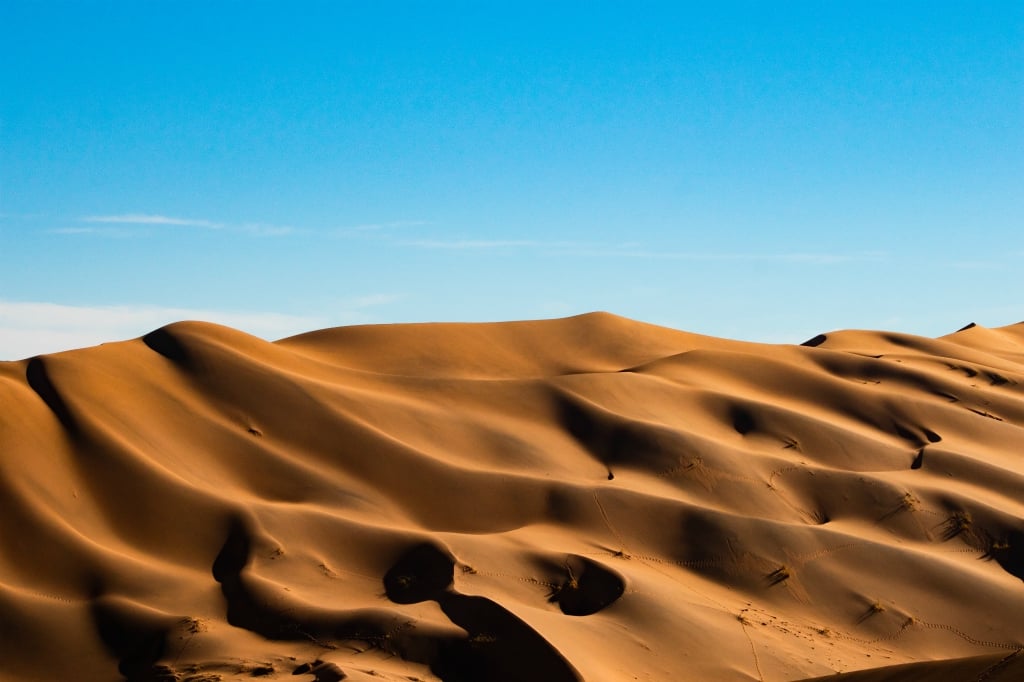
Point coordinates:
[(321, 671), (166, 344), (587, 588), (136, 639), (815, 341), (743, 421), (38, 377), (499, 647), (613, 440), (1008, 553)]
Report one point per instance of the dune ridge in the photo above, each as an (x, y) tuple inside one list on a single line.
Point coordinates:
[(589, 498)]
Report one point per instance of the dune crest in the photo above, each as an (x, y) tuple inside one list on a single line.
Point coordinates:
[(589, 498)]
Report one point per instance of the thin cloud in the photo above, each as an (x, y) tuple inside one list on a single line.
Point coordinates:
[(635, 250), (141, 224), (31, 328), (376, 230), (104, 231), (262, 230), (77, 230), (462, 244), (792, 257), (150, 219)]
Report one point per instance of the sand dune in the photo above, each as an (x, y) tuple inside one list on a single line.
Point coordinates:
[(589, 498)]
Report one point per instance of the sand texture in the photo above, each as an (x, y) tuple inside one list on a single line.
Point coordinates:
[(590, 498)]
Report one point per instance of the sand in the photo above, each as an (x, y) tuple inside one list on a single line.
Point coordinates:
[(588, 498)]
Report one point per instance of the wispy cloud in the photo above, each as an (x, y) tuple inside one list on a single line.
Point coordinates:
[(104, 231), (150, 219), (263, 230), (143, 224), (698, 256), (76, 230), (382, 230), (461, 244), (30, 328), (635, 250)]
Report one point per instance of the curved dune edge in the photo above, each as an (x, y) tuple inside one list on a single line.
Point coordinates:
[(586, 498)]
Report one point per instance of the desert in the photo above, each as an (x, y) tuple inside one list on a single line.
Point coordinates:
[(304, 373), (584, 498)]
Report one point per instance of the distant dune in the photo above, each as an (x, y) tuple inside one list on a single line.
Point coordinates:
[(589, 498)]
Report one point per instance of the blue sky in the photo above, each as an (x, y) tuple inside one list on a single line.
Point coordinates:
[(763, 171)]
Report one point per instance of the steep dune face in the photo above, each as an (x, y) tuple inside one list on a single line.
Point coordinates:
[(588, 498)]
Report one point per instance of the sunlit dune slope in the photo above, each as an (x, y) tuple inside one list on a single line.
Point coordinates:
[(587, 498)]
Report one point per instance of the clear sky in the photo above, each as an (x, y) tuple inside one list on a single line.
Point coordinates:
[(761, 170)]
